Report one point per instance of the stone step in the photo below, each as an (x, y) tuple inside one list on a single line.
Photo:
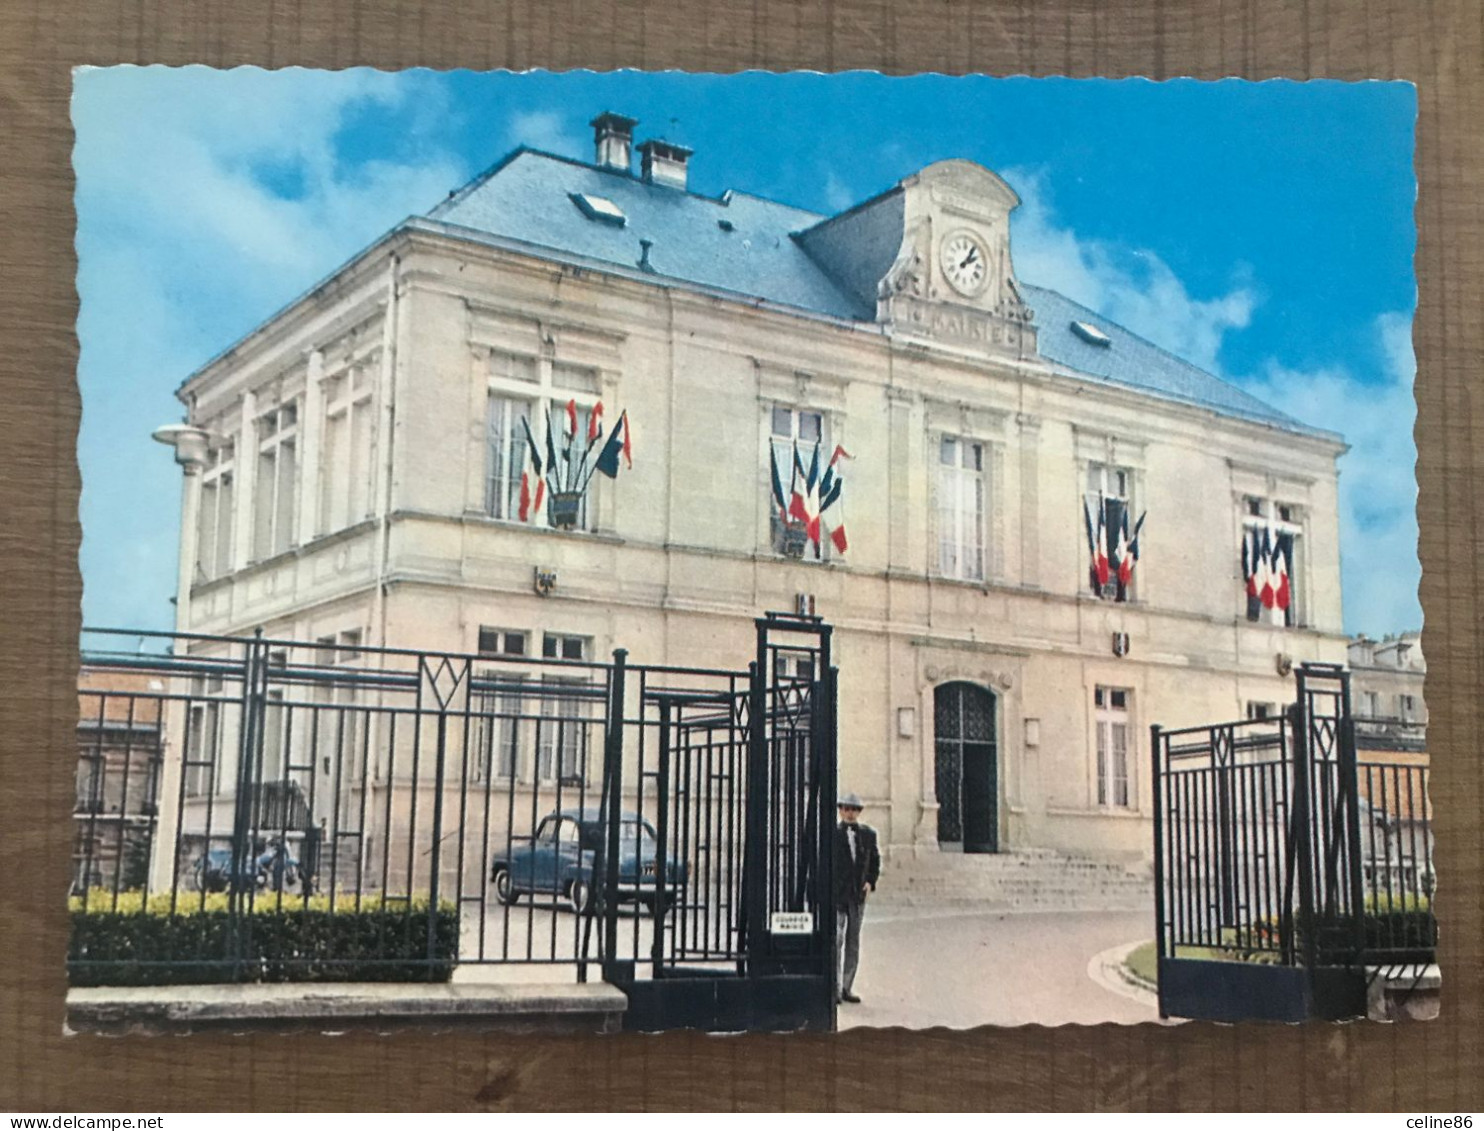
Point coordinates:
[(1024, 879)]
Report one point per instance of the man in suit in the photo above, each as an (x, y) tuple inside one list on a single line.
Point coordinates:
[(857, 868)]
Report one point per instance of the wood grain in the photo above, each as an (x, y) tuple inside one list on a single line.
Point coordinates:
[(1427, 1067)]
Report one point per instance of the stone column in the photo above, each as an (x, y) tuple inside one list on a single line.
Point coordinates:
[(247, 475), (306, 518), (1030, 500), (190, 445)]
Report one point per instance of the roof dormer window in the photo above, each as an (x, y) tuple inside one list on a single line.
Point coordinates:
[(599, 208), (1091, 334)]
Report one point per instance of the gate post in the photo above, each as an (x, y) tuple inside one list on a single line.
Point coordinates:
[(755, 847), (1157, 780), (1300, 824), (249, 749), (607, 865), (1350, 783)]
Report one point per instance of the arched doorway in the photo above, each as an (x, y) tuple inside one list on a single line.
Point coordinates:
[(966, 767)]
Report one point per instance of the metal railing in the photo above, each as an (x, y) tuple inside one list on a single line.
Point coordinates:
[(1275, 844), (286, 808)]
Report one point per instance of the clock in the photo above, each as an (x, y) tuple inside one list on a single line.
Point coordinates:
[(965, 262)]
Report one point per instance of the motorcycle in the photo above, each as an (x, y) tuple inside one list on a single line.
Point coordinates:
[(271, 868)]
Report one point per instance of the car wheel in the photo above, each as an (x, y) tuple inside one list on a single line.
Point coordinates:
[(504, 887), (579, 895)]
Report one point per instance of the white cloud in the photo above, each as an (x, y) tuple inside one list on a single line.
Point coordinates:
[(546, 130), (206, 200), (838, 196), (1134, 287), (1378, 489), (1378, 484)]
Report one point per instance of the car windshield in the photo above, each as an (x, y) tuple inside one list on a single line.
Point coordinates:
[(629, 833), (636, 831)]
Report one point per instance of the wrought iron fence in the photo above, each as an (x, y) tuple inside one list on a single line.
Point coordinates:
[(1275, 844), (285, 809)]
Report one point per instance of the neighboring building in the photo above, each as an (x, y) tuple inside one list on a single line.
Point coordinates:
[(1386, 693), (1386, 678), (119, 756), (359, 480)]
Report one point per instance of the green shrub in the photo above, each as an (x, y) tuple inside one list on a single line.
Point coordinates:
[(139, 942)]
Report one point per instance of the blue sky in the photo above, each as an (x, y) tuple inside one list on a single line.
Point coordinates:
[(1261, 230)]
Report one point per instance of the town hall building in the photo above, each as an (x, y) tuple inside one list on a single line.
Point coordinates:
[(355, 466)]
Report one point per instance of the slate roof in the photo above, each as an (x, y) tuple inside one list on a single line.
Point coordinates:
[(1138, 364), (528, 197)]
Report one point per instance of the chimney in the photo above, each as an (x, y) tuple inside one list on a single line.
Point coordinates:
[(613, 136), (663, 163)]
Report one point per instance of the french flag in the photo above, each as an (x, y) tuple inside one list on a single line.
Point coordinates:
[(532, 485)]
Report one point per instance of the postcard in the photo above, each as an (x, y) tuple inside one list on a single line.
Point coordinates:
[(597, 552)]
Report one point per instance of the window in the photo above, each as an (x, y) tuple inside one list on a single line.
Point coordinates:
[(272, 765), (1109, 498), (555, 647), (599, 208), (508, 419), (794, 666), (1262, 710), (562, 746), (346, 472), (961, 508), (525, 392), (1113, 727), (204, 738), (337, 726), (501, 642), (796, 432), (275, 486), (499, 697), (1406, 708), (215, 517), (1272, 561)]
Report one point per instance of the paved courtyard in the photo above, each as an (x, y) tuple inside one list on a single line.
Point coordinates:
[(921, 969)]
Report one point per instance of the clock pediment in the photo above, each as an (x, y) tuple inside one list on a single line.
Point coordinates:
[(953, 276), (933, 254)]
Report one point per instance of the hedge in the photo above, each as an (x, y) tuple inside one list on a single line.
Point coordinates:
[(1388, 925), (132, 941)]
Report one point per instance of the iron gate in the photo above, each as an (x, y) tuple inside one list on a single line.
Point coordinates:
[(1273, 891), (309, 810)]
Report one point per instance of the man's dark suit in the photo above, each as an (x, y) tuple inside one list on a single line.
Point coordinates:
[(854, 872), (852, 876)]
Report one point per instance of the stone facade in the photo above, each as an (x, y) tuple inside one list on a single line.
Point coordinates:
[(367, 507)]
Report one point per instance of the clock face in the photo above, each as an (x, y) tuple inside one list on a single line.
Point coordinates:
[(965, 263)]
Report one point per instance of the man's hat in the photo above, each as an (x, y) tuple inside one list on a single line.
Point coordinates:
[(849, 801)]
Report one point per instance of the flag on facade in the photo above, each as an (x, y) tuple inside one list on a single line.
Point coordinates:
[(779, 498), (804, 506), (1114, 546), (1265, 593), (551, 456), (1100, 569), (1129, 554), (594, 424), (571, 430), (1283, 564), (1092, 545), (618, 444), (1249, 563), (532, 483), (831, 505)]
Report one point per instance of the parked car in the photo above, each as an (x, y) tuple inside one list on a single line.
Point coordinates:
[(559, 860)]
